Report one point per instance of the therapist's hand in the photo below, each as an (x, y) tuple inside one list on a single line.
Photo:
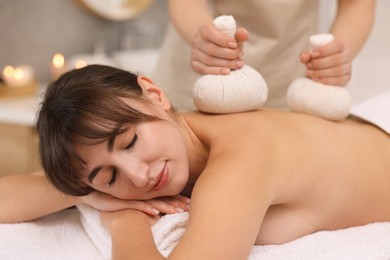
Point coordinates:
[(329, 64), (215, 53)]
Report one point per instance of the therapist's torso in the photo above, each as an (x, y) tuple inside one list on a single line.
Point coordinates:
[(278, 33)]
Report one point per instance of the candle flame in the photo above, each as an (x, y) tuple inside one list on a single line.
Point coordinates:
[(80, 64), (58, 60), (18, 74), (8, 71)]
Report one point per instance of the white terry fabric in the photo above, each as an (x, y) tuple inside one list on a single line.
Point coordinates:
[(166, 232), (370, 241), (375, 110), (59, 236)]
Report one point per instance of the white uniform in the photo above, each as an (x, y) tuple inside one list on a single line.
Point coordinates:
[(278, 32)]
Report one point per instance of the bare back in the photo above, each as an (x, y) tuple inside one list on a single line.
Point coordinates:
[(327, 175)]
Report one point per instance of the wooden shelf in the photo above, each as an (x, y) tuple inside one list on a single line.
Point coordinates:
[(18, 150), (17, 91)]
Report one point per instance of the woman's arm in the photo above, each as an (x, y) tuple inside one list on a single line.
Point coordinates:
[(125, 246), (25, 197), (228, 204)]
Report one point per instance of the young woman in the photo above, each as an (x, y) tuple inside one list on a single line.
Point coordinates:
[(262, 177)]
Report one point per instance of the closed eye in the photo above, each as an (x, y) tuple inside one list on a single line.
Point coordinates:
[(132, 143), (113, 178)]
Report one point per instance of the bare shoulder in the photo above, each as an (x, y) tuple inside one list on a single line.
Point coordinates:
[(293, 147)]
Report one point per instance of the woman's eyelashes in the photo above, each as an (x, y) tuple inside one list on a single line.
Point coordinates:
[(114, 172), (113, 177), (132, 143)]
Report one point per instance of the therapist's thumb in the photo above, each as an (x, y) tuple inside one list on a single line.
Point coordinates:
[(242, 36)]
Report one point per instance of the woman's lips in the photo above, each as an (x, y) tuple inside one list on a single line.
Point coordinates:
[(162, 179)]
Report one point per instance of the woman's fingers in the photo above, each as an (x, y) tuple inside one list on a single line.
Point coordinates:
[(105, 202), (169, 205)]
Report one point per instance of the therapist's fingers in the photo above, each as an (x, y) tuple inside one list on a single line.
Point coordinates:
[(215, 43), (341, 70), (338, 76), (206, 64), (336, 46), (305, 57), (334, 81), (330, 61), (215, 53), (335, 69), (241, 36), (209, 33), (211, 49)]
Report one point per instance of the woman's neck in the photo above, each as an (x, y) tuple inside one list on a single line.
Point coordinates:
[(196, 149)]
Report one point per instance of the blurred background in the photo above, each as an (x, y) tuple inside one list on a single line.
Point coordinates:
[(32, 32)]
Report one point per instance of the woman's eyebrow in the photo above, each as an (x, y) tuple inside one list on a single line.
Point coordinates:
[(93, 173)]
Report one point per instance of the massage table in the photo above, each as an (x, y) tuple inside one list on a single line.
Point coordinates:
[(76, 233)]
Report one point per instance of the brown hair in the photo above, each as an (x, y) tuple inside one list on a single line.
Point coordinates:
[(84, 105)]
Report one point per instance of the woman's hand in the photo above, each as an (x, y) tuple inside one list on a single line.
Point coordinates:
[(329, 64), (215, 53), (168, 205)]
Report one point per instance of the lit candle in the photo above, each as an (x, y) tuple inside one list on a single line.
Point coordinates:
[(58, 65), (18, 76), (80, 64)]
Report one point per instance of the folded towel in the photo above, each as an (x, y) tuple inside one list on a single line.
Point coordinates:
[(370, 241), (166, 232)]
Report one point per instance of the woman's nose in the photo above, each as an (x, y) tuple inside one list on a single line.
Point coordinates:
[(136, 171)]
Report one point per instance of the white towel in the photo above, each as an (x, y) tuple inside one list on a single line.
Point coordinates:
[(368, 242), (375, 110), (166, 232), (59, 236)]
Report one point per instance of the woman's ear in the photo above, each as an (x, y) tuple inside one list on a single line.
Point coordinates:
[(154, 92)]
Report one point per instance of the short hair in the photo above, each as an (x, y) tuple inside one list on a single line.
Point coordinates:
[(84, 106)]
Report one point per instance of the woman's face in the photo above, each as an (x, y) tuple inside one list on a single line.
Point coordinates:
[(149, 160)]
